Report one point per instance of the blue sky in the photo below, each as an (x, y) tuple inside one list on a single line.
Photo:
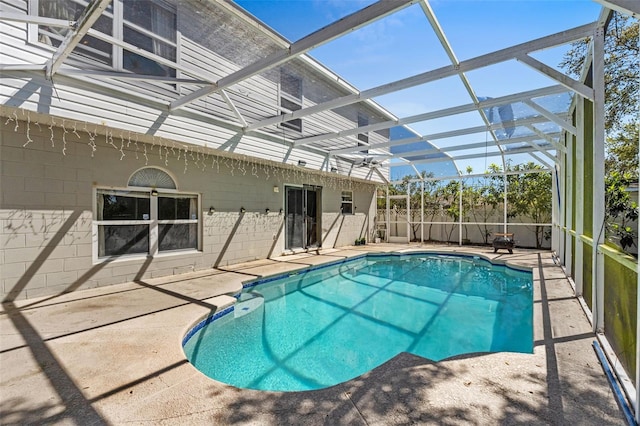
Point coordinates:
[(404, 44)]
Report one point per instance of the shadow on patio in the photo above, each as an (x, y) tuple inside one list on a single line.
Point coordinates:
[(113, 355)]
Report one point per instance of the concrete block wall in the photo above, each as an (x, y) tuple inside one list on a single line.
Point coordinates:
[(525, 235), (342, 229), (48, 175)]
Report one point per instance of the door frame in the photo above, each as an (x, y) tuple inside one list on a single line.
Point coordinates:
[(318, 216), (398, 221)]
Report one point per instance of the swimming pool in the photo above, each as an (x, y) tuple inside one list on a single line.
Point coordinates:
[(320, 327)]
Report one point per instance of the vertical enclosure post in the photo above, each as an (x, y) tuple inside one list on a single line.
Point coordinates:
[(563, 195), (637, 401), (505, 212), (578, 277), (568, 237), (422, 211), (598, 178), (460, 214), (387, 219), (555, 200), (408, 198), (562, 239)]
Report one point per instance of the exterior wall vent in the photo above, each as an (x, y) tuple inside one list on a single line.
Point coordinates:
[(152, 177)]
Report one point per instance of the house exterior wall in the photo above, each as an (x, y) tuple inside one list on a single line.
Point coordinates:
[(47, 179), (212, 42), (63, 138)]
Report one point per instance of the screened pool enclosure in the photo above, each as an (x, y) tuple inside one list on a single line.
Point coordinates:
[(452, 146)]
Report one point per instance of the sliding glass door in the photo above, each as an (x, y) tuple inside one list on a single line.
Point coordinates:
[(302, 216)]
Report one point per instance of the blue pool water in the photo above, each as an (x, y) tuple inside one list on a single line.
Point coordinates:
[(325, 326)]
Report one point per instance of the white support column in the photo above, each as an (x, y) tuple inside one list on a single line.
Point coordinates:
[(505, 200), (460, 215), (578, 277), (637, 401), (554, 210), (153, 227), (388, 219), (598, 178), (408, 198), (569, 207), (562, 205), (422, 211), (563, 202)]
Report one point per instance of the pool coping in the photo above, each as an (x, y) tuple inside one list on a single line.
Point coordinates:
[(114, 355)]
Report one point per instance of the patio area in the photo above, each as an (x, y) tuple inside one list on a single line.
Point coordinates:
[(113, 355)]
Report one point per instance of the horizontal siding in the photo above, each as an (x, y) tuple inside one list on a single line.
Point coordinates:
[(13, 31), (16, 54), (15, 49), (14, 6), (199, 57), (101, 109), (141, 107)]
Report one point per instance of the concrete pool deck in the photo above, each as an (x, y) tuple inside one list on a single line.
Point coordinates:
[(113, 355)]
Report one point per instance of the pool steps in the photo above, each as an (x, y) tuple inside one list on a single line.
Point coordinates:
[(247, 303)]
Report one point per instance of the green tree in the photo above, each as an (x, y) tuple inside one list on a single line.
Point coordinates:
[(432, 201), (449, 197), (485, 198), (415, 201), (622, 94), (622, 151), (621, 212), (468, 198), (622, 69), (529, 197), (621, 166)]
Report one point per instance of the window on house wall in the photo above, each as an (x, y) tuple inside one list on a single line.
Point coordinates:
[(347, 202), (146, 221), (124, 222), (147, 24), (290, 99), (152, 27), (177, 222), (363, 138), (70, 10)]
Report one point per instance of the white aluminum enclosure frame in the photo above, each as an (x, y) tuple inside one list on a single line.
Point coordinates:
[(554, 155), (359, 19), (352, 22), (332, 31), (406, 222)]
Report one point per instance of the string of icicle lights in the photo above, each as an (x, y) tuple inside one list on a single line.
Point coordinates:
[(127, 143)]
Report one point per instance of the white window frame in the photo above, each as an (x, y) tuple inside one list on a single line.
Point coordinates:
[(348, 202), (33, 33), (153, 222), (282, 95), (118, 22), (363, 138)]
